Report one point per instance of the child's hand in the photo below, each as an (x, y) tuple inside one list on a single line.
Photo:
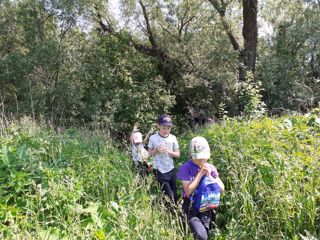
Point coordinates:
[(136, 127), (162, 149), (150, 131), (205, 170), (149, 166)]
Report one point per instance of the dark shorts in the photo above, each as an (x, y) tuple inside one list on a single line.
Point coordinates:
[(167, 183)]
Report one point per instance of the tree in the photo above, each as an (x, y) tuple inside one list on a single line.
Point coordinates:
[(120, 86), (35, 47), (289, 65), (176, 35), (247, 55)]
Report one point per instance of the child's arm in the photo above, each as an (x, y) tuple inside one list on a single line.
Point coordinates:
[(217, 180), (190, 186), (215, 175), (151, 147), (214, 171), (220, 183), (145, 140), (152, 151), (174, 153)]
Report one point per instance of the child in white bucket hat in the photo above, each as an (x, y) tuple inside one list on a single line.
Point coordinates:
[(191, 174), (140, 155)]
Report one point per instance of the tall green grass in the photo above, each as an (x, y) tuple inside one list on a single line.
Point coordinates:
[(271, 170), (76, 185)]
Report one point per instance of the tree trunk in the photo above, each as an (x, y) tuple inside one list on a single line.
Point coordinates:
[(250, 34), (247, 54)]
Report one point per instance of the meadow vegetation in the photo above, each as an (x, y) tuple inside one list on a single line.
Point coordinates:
[(75, 184)]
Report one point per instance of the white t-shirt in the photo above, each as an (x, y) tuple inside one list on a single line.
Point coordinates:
[(139, 153), (162, 161)]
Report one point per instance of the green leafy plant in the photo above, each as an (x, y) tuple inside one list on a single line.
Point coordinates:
[(250, 97)]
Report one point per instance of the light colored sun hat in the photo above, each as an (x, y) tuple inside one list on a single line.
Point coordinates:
[(199, 148), (137, 137)]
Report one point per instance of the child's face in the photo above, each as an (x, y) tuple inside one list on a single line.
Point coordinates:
[(199, 162), (164, 130)]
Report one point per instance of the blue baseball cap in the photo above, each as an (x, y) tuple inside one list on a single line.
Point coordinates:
[(165, 120)]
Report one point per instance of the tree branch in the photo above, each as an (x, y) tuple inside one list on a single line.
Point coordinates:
[(183, 24), (167, 30), (221, 9), (149, 30)]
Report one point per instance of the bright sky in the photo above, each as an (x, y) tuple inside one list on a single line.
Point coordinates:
[(114, 7)]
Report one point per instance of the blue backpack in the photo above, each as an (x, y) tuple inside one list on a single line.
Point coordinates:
[(207, 195)]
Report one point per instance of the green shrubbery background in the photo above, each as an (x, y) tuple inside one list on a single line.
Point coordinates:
[(75, 184)]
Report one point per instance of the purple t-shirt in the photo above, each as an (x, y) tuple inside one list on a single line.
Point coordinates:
[(189, 170)]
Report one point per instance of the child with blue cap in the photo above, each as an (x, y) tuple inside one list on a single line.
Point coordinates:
[(163, 146)]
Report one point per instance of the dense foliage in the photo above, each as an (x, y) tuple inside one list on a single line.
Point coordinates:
[(82, 63), (79, 64), (74, 184)]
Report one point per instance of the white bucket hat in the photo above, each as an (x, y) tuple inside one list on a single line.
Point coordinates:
[(199, 148), (137, 137)]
